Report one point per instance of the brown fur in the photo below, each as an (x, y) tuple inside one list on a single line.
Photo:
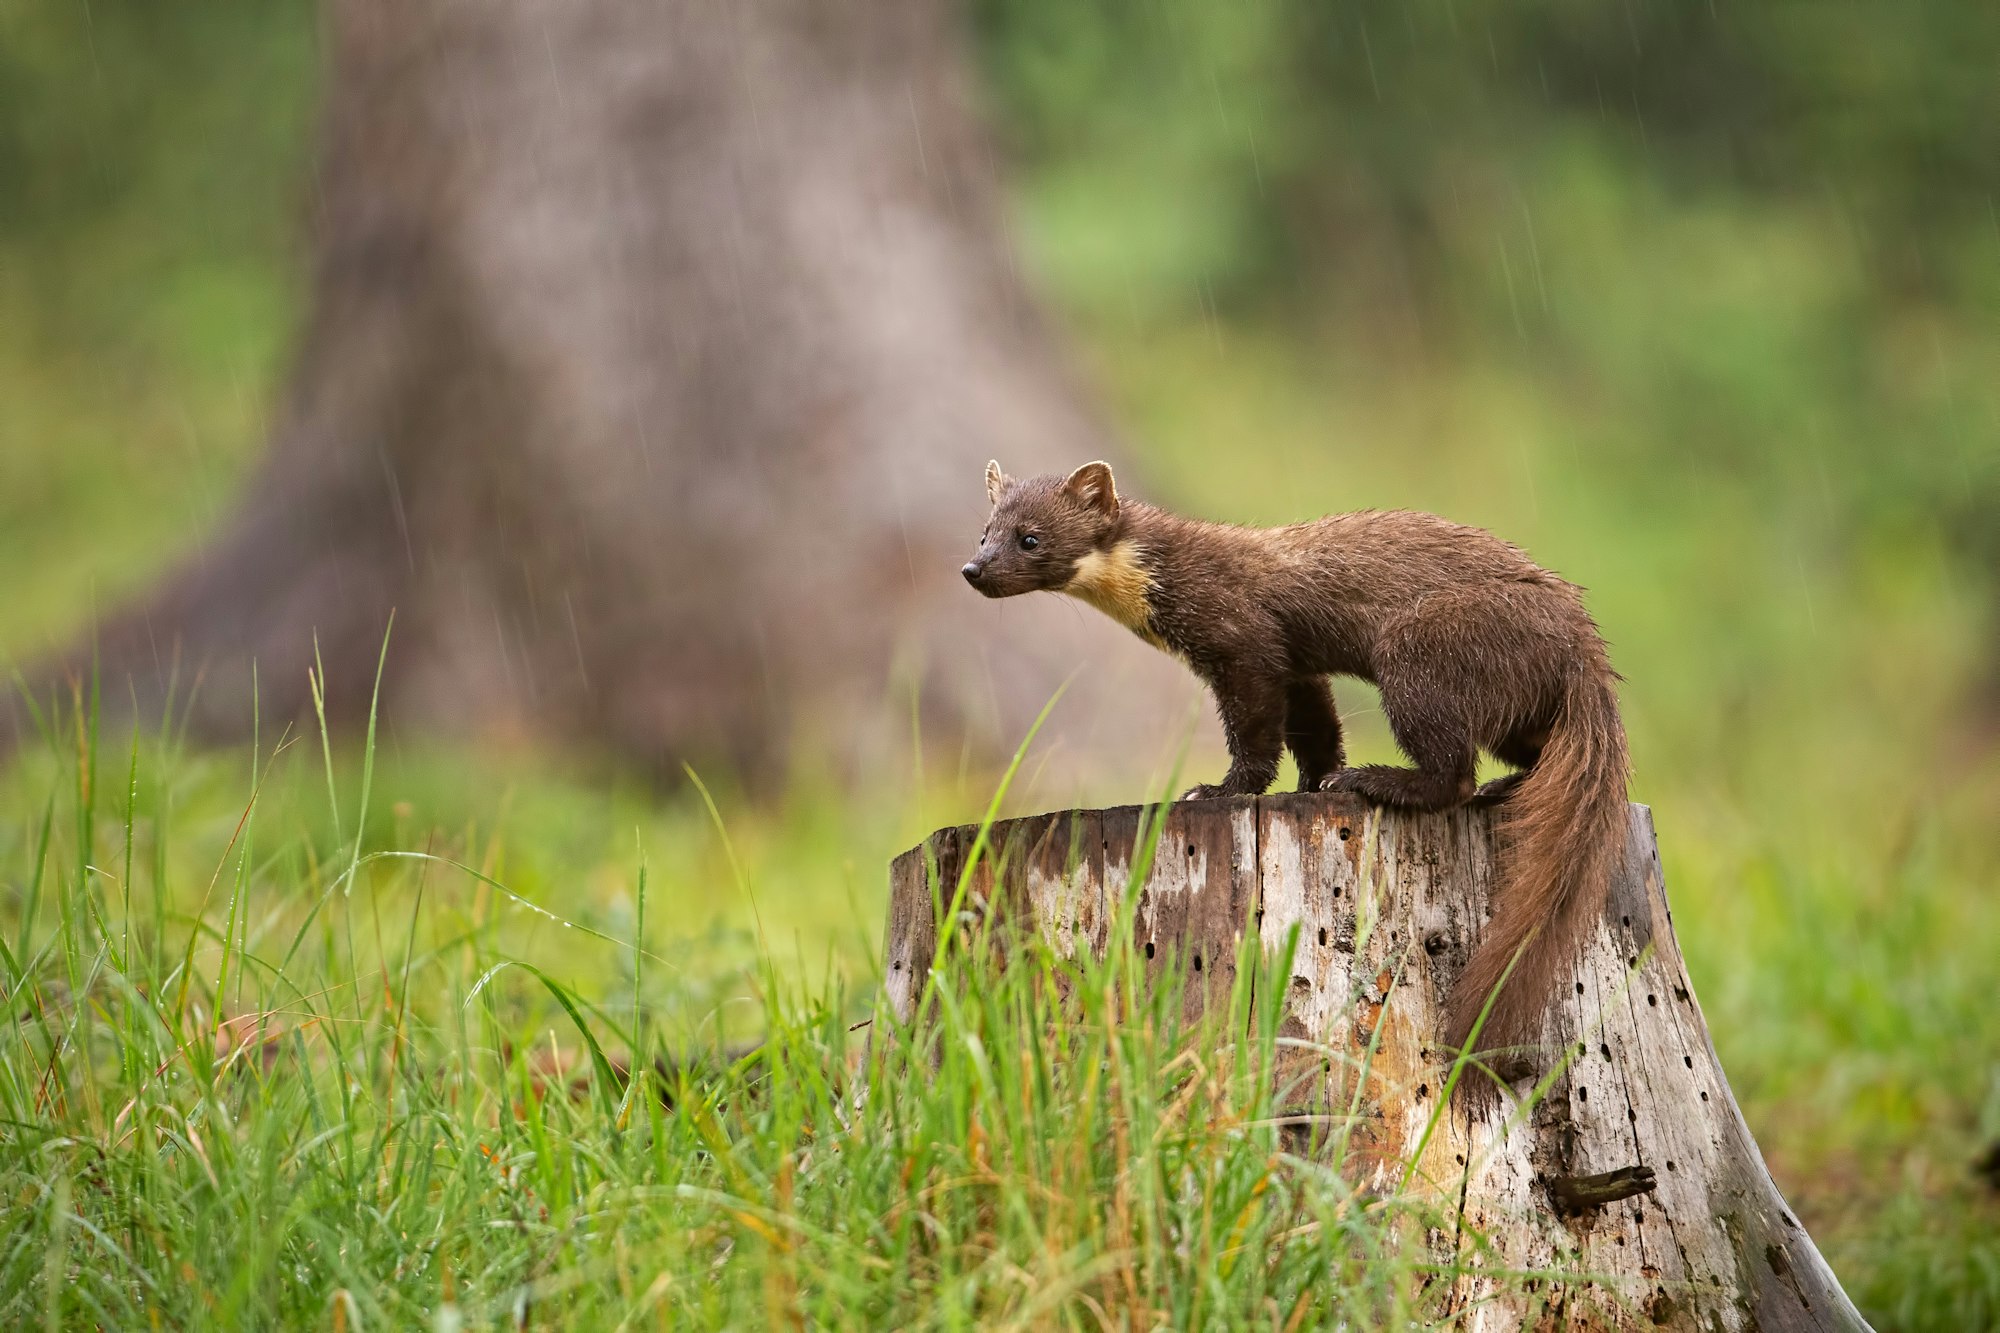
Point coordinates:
[(1472, 645)]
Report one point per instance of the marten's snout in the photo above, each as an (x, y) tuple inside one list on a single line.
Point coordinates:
[(985, 579)]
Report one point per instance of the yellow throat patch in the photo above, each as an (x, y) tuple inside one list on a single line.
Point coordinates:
[(1117, 584)]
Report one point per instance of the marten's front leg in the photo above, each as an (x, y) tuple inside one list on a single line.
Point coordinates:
[(1252, 705), (1430, 731), (1312, 731)]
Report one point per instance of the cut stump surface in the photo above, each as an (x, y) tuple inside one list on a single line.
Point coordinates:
[(1634, 1174)]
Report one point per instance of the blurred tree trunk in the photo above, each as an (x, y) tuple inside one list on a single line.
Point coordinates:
[(656, 348)]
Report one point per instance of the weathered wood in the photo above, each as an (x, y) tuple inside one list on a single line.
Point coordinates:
[(1633, 1172)]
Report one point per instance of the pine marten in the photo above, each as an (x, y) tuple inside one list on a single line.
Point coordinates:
[(1472, 645)]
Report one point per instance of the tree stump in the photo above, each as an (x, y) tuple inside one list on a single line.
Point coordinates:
[(1634, 1172)]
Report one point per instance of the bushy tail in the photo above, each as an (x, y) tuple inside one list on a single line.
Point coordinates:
[(1561, 834)]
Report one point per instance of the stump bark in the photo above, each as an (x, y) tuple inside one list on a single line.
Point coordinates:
[(1633, 1174)]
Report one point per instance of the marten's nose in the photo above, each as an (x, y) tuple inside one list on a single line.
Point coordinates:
[(973, 569)]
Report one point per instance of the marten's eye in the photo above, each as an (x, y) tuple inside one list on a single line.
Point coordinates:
[(1029, 541)]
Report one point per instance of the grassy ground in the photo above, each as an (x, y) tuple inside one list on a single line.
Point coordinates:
[(299, 1043), (321, 1082)]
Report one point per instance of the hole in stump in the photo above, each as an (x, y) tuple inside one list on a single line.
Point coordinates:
[(1322, 937), (1423, 1091), (1336, 890), (1704, 1096), (1604, 1050), (1653, 1000), (1688, 1060), (1190, 851), (1346, 833), (1670, 1165), (1149, 948), (1626, 919), (1197, 962), (1579, 988), (1583, 1094)]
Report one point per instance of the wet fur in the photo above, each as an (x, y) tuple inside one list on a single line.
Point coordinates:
[(1472, 645)]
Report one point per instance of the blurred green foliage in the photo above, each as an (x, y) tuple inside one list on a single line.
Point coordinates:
[(154, 173), (1699, 302), (1421, 125), (1768, 230)]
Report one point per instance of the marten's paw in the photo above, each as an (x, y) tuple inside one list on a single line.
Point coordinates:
[(1207, 791), (1400, 788), (1498, 790), (1349, 779)]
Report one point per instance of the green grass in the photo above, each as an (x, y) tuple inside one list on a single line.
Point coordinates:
[(288, 1050), (261, 1074)]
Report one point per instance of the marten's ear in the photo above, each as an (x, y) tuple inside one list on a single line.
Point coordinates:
[(1091, 485), (996, 481)]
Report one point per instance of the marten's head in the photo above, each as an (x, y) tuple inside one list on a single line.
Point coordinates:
[(1041, 529)]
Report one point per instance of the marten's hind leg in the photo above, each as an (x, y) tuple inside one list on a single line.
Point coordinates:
[(1312, 731), (1430, 731), (1521, 749)]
